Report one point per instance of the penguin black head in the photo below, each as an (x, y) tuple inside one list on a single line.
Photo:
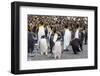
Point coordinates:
[(59, 38)]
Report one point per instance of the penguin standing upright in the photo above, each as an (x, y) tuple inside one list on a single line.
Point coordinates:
[(57, 49), (43, 45), (30, 42), (41, 32), (67, 38), (76, 42)]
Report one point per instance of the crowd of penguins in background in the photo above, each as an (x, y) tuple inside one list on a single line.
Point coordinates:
[(54, 34)]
